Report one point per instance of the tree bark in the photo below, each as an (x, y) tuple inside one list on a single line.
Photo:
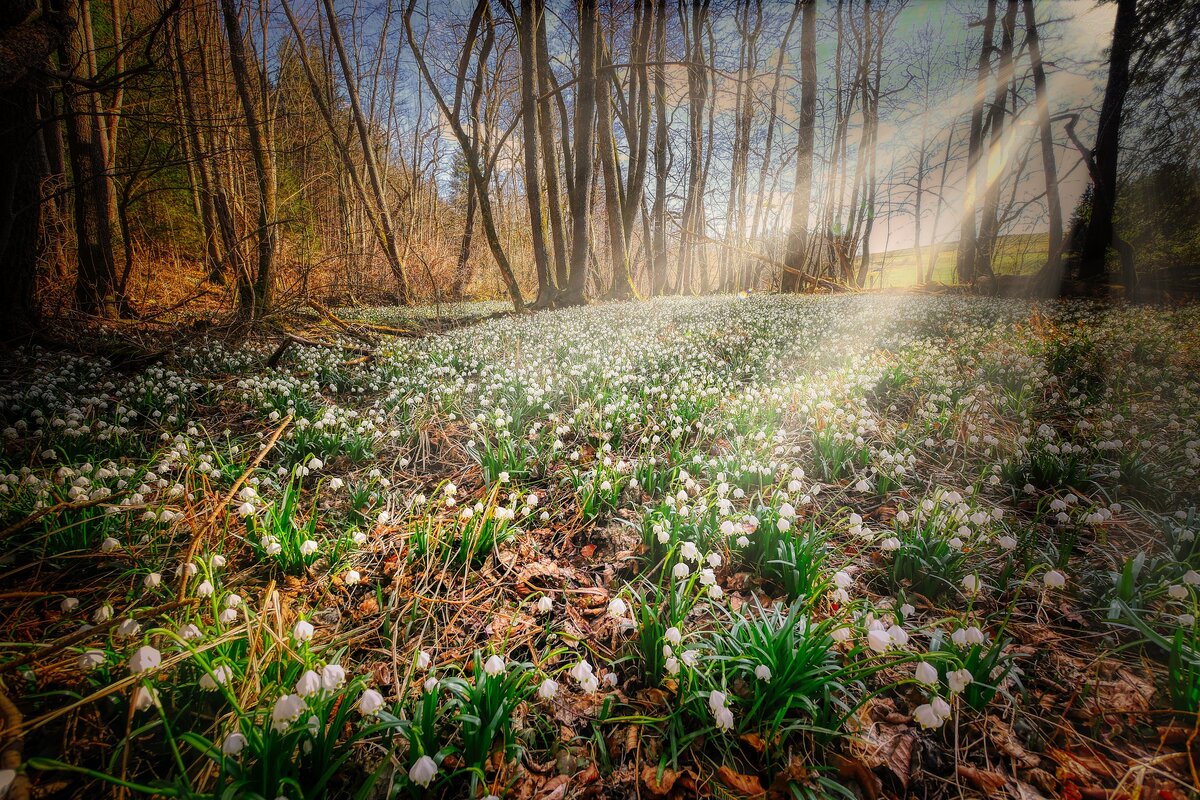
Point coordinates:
[(254, 298), (798, 234), (1049, 168), (1098, 236), (585, 113), (989, 224), (530, 21), (966, 237)]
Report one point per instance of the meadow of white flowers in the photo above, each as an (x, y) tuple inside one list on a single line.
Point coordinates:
[(709, 537)]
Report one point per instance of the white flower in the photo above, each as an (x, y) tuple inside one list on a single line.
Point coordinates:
[(102, 614), (673, 635), (424, 660), (842, 579), (315, 463), (303, 631), (245, 509), (583, 673), (763, 673), (228, 616), (68, 604), (681, 570), (286, 711), (431, 684), (926, 717), (190, 631), (890, 544), (545, 604), (898, 635), (548, 689), (233, 600), (370, 702), (205, 589), (336, 483), (309, 684), (91, 659), (716, 592), (145, 658), (940, 707), (109, 544), (716, 700), (1054, 579), (926, 673), (494, 666), (351, 577), (423, 772), (221, 674), (617, 607), (970, 584), (1177, 591), (143, 698), (689, 552), (1191, 578), (233, 744), (724, 719), (152, 580), (128, 629), (714, 559), (1007, 542), (879, 640), (672, 666), (959, 679), (308, 547)]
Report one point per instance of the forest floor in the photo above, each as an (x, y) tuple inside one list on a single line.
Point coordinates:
[(846, 546)]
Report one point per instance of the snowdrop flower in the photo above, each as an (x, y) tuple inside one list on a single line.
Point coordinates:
[(1177, 591), (681, 570), (1007, 542), (890, 544), (1191, 578), (842, 579), (583, 673), (221, 674), (926, 673), (423, 771), (431, 684), (68, 604), (672, 665), (228, 616), (91, 659), (970, 584), (723, 719), (332, 677), (424, 660), (370, 702), (716, 700), (548, 689), (102, 614), (689, 552), (309, 684), (617, 607), (763, 673), (959, 680), (336, 483), (902, 517), (545, 604), (940, 707), (287, 710), (351, 577), (128, 629), (898, 635), (303, 631), (190, 631), (716, 592), (245, 509), (152, 580), (144, 659), (879, 640), (144, 697), (205, 589), (1054, 579), (494, 666), (906, 610), (673, 635), (109, 544), (315, 464), (234, 743), (308, 547), (927, 717)]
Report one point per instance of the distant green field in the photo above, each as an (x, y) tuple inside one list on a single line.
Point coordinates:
[(1017, 254)]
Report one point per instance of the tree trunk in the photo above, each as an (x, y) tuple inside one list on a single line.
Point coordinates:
[(530, 21), (989, 225), (254, 297), (1049, 168), (658, 257), (966, 237), (798, 234), (585, 113), (1098, 236), (558, 229)]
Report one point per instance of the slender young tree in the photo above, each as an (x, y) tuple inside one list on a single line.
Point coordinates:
[(529, 21), (1046, 134), (797, 247), (966, 238), (580, 193)]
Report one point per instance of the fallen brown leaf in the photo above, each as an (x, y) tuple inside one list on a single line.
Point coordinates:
[(656, 785), (746, 785), (988, 783), (853, 769)]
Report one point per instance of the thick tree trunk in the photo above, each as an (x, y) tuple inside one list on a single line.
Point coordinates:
[(1099, 234), (26, 43), (254, 297), (1049, 168), (585, 113), (966, 237), (658, 249), (558, 229), (618, 248), (798, 233), (989, 224), (531, 19)]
